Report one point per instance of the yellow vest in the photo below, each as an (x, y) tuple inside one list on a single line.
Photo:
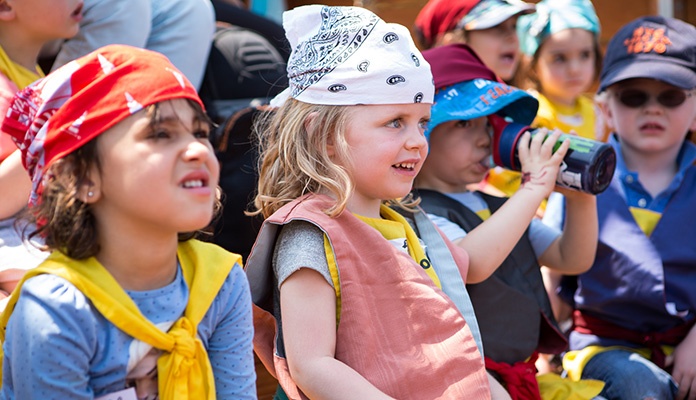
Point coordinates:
[(184, 369)]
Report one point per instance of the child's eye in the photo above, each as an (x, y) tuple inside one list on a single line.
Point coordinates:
[(202, 134), (559, 58), (395, 123), (586, 55), (463, 124), (423, 124), (160, 134)]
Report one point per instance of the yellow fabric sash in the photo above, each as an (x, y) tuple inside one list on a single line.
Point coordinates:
[(21, 76), (184, 370), (395, 226), (555, 387), (333, 271), (574, 361), (646, 219)]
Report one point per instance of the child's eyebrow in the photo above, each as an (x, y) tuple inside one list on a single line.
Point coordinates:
[(174, 119)]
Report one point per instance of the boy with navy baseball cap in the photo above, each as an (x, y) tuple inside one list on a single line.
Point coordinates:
[(501, 235), (639, 292)]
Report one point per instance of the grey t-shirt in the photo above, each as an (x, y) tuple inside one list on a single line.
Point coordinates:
[(300, 244)]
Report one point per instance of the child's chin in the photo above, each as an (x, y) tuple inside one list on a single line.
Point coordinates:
[(196, 225)]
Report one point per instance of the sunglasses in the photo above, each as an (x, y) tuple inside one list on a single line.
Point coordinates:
[(670, 98)]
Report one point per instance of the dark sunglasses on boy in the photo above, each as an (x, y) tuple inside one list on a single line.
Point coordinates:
[(670, 98)]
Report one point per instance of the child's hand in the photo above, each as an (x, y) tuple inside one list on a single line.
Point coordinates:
[(539, 162), (684, 366), (571, 193)]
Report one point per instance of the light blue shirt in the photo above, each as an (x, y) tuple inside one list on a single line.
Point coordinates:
[(58, 346)]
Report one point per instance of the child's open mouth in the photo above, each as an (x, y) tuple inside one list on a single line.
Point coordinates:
[(194, 184), (405, 166), (195, 180), (508, 57)]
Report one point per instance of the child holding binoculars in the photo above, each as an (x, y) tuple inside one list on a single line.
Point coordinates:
[(512, 307)]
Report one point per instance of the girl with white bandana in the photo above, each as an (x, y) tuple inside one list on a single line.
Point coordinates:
[(350, 303)]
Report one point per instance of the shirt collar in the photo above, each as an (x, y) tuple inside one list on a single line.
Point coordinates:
[(685, 158)]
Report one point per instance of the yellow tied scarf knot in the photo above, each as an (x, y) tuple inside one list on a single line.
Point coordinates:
[(184, 339), (185, 369)]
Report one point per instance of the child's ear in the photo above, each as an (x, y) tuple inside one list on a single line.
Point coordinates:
[(90, 190), (6, 11), (309, 121), (455, 36), (606, 113), (309, 126)]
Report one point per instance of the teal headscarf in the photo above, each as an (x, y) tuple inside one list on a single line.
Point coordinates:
[(554, 16)]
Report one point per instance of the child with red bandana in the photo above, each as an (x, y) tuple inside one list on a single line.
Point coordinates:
[(128, 303), (487, 26)]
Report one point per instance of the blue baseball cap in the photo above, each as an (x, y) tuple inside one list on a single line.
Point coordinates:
[(554, 16), (467, 89), (652, 47)]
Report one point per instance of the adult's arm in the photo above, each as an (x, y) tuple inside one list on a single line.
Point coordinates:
[(15, 185)]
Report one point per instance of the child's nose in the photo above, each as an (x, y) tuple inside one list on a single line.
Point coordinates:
[(576, 65), (485, 140), (197, 150), (416, 139)]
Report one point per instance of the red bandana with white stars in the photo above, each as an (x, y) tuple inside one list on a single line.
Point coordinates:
[(56, 115)]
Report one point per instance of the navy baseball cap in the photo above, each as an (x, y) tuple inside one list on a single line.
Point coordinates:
[(466, 89), (652, 47)]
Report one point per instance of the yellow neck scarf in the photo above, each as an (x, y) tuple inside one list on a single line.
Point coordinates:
[(184, 369), (21, 76), (646, 219), (395, 226)]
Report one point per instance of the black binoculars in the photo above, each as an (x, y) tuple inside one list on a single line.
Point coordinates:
[(588, 166)]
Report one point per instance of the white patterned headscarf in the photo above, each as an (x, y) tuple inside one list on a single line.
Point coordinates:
[(349, 56)]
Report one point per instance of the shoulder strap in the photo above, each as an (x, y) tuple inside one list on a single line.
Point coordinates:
[(446, 268)]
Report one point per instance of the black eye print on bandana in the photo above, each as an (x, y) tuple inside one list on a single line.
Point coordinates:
[(337, 88), (394, 79), (390, 37), (415, 60), (362, 67), (418, 97)]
